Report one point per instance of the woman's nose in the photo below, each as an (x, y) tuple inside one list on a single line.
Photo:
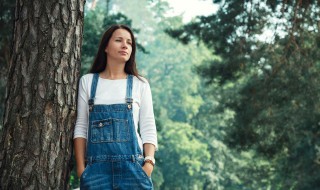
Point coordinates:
[(124, 45)]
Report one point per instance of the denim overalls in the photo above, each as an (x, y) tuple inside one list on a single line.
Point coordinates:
[(114, 158)]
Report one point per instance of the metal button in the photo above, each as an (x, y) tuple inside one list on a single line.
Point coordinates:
[(100, 124), (129, 106)]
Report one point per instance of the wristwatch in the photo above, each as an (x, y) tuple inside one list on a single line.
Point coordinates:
[(151, 159)]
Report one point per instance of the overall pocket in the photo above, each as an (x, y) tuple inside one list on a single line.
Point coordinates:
[(110, 130)]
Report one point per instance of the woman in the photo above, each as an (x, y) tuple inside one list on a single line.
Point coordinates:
[(112, 100)]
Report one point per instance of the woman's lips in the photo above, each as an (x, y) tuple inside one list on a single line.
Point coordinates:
[(123, 52)]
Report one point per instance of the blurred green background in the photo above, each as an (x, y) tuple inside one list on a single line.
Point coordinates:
[(236, 93)]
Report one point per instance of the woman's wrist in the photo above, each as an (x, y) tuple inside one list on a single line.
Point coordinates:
[(149, 162), (150, 159)]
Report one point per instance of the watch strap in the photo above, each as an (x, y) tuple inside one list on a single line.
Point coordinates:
[(151, 159)]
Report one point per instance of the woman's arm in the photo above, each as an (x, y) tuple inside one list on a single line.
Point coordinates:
[(147, 122), (81, 128), (148, 129), (80, 150), (149, 150)]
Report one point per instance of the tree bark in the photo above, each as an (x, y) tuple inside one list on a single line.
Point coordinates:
[(36, 144)]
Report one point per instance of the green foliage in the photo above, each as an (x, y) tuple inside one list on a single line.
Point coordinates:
[(173, 82), (74, 181), (176, 97), (92, 34), (181, 156), (271, 86)]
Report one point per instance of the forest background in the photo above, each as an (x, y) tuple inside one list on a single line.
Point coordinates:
[(236, 93)]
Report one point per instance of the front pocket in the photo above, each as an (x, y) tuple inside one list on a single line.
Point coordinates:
[(110, 130), (140, 163)]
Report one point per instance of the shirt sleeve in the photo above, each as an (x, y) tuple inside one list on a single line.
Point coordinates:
[(147, 123), (82, 122)]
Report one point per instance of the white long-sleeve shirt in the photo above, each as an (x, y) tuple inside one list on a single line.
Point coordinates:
[(114, 92)]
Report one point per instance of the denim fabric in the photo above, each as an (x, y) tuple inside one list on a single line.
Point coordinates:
[(114, 159)]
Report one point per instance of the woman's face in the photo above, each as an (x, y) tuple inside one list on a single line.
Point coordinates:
[(119, 47)]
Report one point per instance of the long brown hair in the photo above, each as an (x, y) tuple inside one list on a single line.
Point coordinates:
[(100, 60)]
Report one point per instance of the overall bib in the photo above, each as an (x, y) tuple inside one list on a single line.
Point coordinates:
[(114, 159)]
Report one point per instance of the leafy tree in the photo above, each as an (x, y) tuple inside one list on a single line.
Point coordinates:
[(182, 163), (270, 85), (175, 89)]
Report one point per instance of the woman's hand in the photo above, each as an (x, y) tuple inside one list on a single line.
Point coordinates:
[(148, 168)]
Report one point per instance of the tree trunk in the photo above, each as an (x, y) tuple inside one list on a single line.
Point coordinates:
[(36, 145)]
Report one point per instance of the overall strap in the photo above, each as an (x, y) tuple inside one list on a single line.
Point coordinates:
[(129, 99), (93, 90)]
